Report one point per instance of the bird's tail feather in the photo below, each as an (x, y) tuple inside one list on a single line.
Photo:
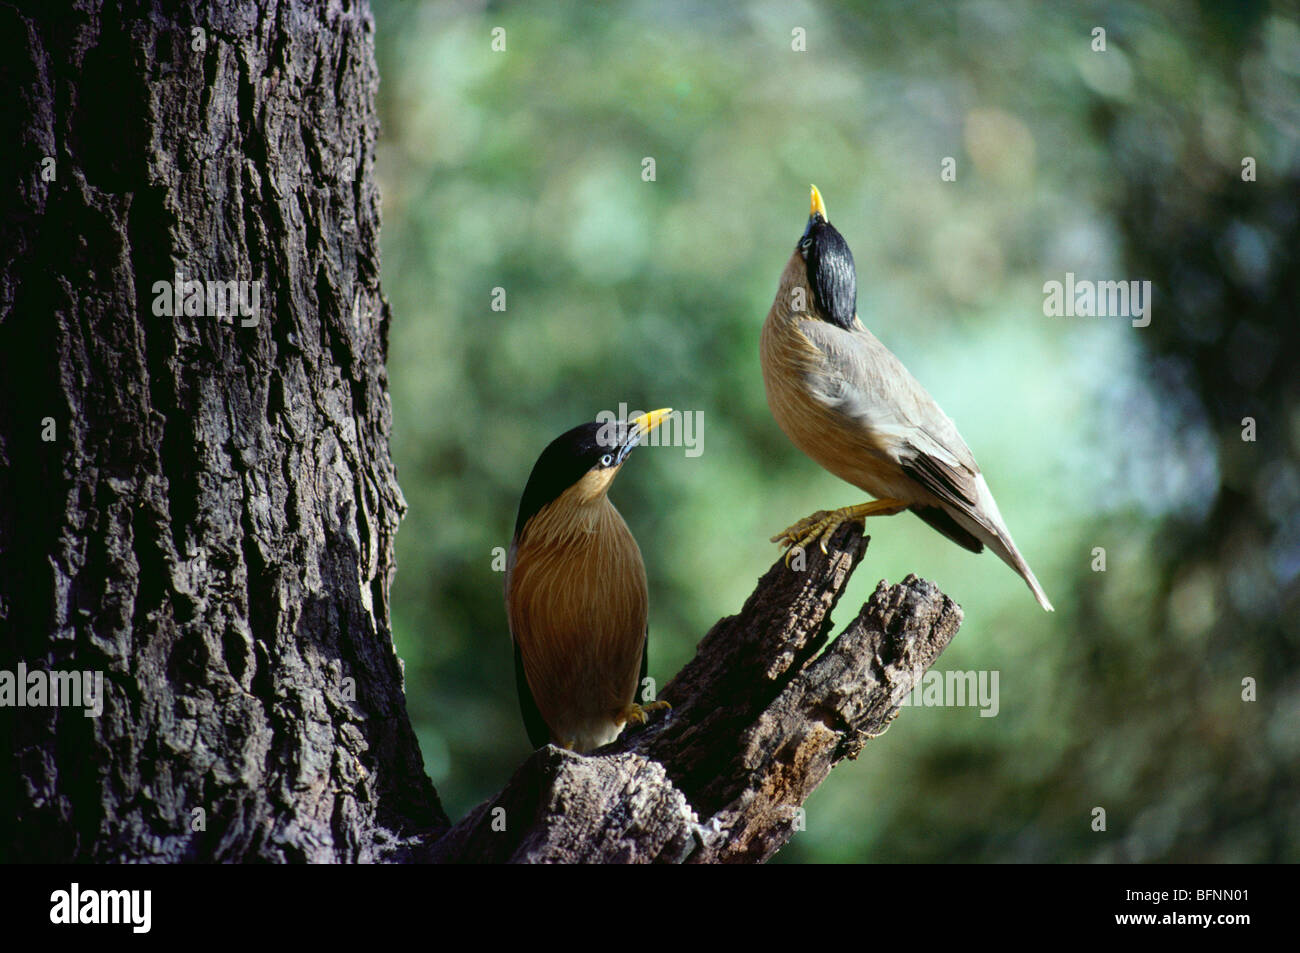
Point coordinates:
[(987, 524), (1007, 552)]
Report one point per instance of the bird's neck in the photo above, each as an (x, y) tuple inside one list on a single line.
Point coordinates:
[(571, 517), (794, 300)]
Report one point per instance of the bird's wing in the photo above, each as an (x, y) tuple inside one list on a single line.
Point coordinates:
[(859, 378), (953, 484), (538, 732), (856, 376), (932, 465), (645, 667), (534, 723)]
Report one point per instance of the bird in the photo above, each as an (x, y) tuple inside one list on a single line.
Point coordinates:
[(848, 403), (575, 591)]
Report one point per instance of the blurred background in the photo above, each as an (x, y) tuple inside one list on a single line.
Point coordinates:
[(523, 170)]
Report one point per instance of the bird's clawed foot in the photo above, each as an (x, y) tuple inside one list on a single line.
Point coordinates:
[(823, 524), (794, 537), (634, 714)]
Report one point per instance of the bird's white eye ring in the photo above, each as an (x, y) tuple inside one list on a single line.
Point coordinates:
[(607, 459)]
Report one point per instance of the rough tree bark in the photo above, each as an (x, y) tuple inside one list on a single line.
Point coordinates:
[(212, 526), (202, 508)]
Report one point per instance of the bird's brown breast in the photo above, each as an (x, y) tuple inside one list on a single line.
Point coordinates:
[(577, 603)]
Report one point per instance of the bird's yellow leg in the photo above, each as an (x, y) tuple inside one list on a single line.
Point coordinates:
[(822, 524), (635, 714)]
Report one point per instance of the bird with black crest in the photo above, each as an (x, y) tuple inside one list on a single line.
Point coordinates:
[(846, 401), (576, 595)]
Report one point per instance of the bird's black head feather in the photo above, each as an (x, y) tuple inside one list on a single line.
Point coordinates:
[(831, 273), (565, 460)]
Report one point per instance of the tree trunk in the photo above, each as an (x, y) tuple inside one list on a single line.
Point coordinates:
[(200, 507), (211, 526)]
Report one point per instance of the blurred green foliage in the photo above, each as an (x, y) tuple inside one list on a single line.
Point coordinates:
[(522, 170)]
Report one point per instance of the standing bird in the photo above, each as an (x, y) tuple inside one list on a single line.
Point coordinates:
[(846, 401), (576, 596)]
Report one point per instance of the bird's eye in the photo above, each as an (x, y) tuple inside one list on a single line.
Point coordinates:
[(607, 460), (805, 243)]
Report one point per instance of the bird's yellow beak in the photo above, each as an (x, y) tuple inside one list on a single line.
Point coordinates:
[(818, 206), (648, 422), (638, 427)]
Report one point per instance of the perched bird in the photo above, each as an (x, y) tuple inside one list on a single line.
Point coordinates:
[(576, 596), (851, 405)]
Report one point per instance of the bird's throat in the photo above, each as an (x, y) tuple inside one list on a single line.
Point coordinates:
[(582, 510)]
